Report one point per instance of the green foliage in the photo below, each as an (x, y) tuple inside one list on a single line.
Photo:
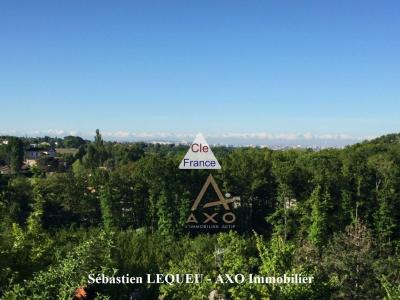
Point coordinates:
[(276, 257), (60, 280), (387, 269), (106, 207), (305, 207), (15, 150), (96, 153), (236, 254), (392, 291), (165, 212), (195, 256), (73, 141), (284, 218), (349, 262), (319, 218)]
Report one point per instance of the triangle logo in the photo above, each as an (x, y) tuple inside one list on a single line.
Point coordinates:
[(221, 199), (199, 156)]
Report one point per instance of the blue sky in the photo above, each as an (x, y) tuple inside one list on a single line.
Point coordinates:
[(219, 67)]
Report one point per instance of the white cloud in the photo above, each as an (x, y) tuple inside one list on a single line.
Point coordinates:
[(224, 137), (55, 132), (308, 136)]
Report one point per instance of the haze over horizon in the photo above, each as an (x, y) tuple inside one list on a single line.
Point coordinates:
[(231, 139), (242, 72)]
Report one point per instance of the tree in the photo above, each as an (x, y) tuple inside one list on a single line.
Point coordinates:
[(73, 141), (106, 207), (319, 219), (349, 262), (60, 280), (96, 152), (15, 148), (236, 254), (184, 205), (31, 244), (284, 217), (198, 257), (387, 193), (247, 173), (165, 214), (3, 154), (277, 258)]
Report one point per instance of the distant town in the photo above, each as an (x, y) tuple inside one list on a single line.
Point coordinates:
[(48, 154)]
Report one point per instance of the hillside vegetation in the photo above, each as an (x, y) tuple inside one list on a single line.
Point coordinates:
[(122, 208)]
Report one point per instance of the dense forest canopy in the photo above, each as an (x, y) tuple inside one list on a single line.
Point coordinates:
[(110, 207)]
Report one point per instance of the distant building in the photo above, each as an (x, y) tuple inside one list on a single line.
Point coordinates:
[(44, 145), (290, 203), (50, 152), (30, 162), (32, 152), (237, 203), (35, 151), (215, 295), (5, 170)]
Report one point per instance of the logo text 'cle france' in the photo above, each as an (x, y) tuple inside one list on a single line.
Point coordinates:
[(199, 156)]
